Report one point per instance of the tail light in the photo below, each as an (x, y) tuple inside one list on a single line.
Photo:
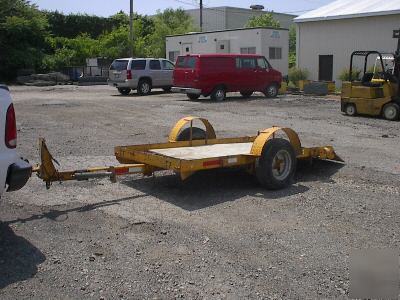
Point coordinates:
[(129, 74), (11, 128)]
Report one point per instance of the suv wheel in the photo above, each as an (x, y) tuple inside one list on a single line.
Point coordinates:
[(144, 87), (218, 94), (271, 91), (124, 91)]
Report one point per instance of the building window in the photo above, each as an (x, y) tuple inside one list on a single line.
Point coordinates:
[(248, 50), (173, 55), (222, 47), (275, 53)]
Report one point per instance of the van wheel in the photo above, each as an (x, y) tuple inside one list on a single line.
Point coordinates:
[(197, 134), (246, 94), (276, 166), (350, 110), (144, 87), (271, 91), (124, 91), (193, 96), (391, 111), (219, 94)]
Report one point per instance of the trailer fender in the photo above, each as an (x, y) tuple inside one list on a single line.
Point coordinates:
[(182, 122), (268, 133)]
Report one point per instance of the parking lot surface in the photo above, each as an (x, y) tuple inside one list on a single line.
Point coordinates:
[(219, 235)]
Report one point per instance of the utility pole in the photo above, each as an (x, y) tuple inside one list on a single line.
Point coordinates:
[(201, 15), (131, 28)]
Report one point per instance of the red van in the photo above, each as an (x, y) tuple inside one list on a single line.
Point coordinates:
[(216, 74)]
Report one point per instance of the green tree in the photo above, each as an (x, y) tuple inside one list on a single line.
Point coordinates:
[(264, 20), (168, 22), (23, 34), (292, 46)]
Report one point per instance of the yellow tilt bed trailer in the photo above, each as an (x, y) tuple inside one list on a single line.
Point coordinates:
[(190, 149)]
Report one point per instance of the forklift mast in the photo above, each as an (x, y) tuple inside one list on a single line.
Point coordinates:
[(396, 35)]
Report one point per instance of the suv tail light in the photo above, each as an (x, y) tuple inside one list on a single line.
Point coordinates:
[(11, 128), (129, 74)]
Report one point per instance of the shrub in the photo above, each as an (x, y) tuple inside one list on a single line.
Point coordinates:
[(296, 74), (345, 75)]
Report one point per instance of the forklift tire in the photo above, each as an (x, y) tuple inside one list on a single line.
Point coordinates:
[(391, 111), (197, 134), (350, 110), (124, 91), (276, 166)]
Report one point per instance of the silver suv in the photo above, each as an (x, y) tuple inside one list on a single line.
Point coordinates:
[(141, 74)]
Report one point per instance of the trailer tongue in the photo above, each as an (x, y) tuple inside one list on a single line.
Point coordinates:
[(271, 158)]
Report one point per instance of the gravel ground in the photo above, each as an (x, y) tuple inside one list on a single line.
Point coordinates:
[(219, 235)]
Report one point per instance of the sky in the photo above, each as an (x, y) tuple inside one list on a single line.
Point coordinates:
[(109, 7)]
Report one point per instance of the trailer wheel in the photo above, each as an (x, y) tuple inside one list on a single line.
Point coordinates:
[(391, 111), (124, 91), (197, 134), (276, 166)]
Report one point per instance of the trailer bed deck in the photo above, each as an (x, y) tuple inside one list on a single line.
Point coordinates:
[(207, 151)]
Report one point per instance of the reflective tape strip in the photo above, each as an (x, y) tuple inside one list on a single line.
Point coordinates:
[(135, 170), (232, 160), (210, 163)]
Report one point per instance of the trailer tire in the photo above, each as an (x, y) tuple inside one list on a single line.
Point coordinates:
[(124, 91), (269, 174), (197, 134), (391, 111)]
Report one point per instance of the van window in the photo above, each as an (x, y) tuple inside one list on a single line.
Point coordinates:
[(191, 62), (245, 63), (155, 65), (188, 62), (180, 63), (139, 64), (262, 63), (119, 65)]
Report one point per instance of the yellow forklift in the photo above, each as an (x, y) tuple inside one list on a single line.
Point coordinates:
[(376, 94)]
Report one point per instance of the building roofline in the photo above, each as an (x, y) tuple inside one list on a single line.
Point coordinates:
[(241, 8), (237, 29), (348, 16)]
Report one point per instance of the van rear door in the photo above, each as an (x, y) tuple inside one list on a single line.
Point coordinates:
[(118, 70), (185, 72)]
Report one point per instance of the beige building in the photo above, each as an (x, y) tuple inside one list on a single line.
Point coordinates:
[(226, 17), (270, 42), (327, 36)]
